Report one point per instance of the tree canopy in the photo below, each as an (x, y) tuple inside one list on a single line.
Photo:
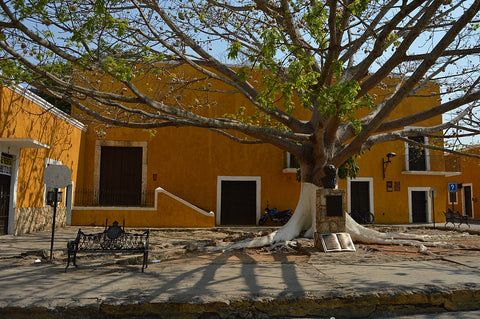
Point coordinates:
[(323, 56)]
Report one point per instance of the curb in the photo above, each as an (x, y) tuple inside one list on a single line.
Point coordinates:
[(349, 306)]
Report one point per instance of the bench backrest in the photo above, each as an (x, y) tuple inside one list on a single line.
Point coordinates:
[(458, 215), (449, 214), (112, 240)]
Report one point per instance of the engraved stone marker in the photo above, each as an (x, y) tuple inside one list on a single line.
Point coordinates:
[(337, 242)]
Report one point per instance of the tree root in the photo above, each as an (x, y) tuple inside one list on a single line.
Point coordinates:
[(361, 234), (303, 222)]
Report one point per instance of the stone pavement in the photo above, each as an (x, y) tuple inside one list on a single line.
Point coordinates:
[(227, 290)]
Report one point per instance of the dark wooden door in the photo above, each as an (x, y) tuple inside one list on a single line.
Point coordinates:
[(4, 202), (238, 203), (360, 196), (419, 206), (121, 176), (467, 199), (416, 155), (359, 199)]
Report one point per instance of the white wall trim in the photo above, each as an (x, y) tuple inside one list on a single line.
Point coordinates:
[(427, 152), (370, 190), (49, 107), (154, 208), (181, 200), (69, 193), (257, 179), (13, 193), (429, 202), (463, 198)]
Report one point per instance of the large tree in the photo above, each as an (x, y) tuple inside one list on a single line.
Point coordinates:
[(323, 56)]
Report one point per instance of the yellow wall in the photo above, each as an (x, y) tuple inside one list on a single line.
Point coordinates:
[(169, 211), (22, 117), (393, 206), (186, 161), (470, 168)]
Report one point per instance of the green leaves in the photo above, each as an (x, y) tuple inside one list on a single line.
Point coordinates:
[(28, 8), (339, 99), (243, 73), (233, 50), (392, 39), (119, 68), (13, 73), (256, 118), (272, 39), (290, 78), (357, 7), (90, 26), (349, 168), (316, 20)]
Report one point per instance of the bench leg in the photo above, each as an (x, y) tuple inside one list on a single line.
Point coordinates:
[(449, 221), (75, 258), (145, 260), (68, 261), (463, 221), (72, 257)]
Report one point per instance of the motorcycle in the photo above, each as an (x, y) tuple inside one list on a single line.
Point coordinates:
[(275, 216)]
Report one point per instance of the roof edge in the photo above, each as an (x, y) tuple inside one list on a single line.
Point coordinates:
[(49, 107)]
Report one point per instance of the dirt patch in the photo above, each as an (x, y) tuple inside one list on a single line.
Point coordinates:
[(173, 246), (451, 242), (179, 246)]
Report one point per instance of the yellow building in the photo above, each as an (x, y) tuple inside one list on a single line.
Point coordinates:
[(33, 134), (200, 172), (193, 177), (465, 199)]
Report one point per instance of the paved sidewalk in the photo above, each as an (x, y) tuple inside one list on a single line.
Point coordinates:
[(228, 290)]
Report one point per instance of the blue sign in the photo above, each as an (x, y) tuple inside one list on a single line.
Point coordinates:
[(452, 187)]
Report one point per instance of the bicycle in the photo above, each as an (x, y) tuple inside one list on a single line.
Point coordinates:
[(362, 216)]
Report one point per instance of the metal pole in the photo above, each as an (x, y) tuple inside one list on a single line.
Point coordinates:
[(53, 223), (433, 208)]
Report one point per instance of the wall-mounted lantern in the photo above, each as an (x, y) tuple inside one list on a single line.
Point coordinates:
[(386, 162)]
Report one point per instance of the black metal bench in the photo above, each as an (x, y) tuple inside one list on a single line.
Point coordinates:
[(113, 239), (455, 217)]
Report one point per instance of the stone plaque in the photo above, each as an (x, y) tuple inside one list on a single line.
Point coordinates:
[(346, 241), (330, 212), (330, 242), (337, 242), (334, 205)]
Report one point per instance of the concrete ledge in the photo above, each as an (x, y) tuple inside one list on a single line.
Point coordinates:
[(347, 306)]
